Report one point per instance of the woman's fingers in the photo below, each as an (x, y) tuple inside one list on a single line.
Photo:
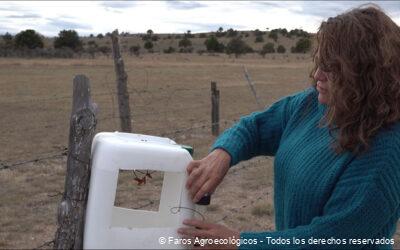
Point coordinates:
[(197, 223), (205, 188), (193, 177), (192, 165), (198, 183)]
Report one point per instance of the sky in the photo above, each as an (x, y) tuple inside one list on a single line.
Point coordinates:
[(93, 17)]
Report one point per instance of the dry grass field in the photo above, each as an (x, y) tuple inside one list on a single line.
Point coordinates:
[(170, 96)]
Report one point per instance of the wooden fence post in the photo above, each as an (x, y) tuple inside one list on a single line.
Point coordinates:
[(122, 88), (253, 90), (71, 211), (214, 109)]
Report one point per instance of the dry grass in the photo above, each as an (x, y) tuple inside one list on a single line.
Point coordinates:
[(168, 92)]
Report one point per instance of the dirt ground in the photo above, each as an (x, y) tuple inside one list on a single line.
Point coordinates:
[(169, 96)]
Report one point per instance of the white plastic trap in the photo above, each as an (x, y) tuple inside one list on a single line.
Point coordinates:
[(108, 226)]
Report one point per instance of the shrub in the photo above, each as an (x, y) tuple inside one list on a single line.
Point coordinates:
[(185, 42), (237, 46), (105, 50), (28, 39), (154, 38), (303, 45), (92, 43), (8, 39), (281, 49), (169, 50), (273, 34), (134, 50), (299, 33), (148, 45), (267, 48), (68, 39), (259, 39), (231, 33), (213, 45), (257, 32)]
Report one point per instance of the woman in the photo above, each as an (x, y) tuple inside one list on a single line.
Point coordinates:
[(336, 146)]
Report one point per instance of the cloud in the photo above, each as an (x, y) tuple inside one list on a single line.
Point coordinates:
[(205, 27), (64, 24), (184, 5), (4, 29), (117, 6), (323, 9), (27, 16)]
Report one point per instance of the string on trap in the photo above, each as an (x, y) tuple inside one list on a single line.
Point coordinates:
[(175, 210)]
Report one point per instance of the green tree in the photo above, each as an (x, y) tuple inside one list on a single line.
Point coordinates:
[(237, 46), (281, 49), (303, 45), (267, 48), (188, 34), (299, 33), (185, 42), (231, 33), (8, 40), (258, 32), (213, 45), (100, 36), (148, 45), (28, 39), (69, 39), (135, 50), (273, 34), (92, 48), (259, 39), (220, 32)]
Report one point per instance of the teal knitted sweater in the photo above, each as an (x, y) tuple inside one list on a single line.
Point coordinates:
[(318, 194)]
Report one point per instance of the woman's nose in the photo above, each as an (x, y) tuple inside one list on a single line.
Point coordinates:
[(319, 75)]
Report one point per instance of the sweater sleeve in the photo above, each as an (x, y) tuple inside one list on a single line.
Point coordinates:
[(365, 199), (260, 132)]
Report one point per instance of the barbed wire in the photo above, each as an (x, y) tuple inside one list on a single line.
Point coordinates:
[(95, 95), (107, 117), (204, 125), (4, 165)]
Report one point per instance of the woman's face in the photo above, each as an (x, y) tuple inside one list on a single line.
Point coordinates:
[(323, 83)]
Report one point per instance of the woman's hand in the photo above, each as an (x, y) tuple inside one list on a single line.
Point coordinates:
[(206, 174), (204, 230)]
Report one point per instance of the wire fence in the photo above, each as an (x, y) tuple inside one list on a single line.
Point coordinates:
[(144, 111), (51, 155)]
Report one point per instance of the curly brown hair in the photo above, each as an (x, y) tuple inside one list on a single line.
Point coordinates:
[(361, 50)]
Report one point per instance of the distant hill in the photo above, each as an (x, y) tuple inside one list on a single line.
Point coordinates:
[(150, 42)]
